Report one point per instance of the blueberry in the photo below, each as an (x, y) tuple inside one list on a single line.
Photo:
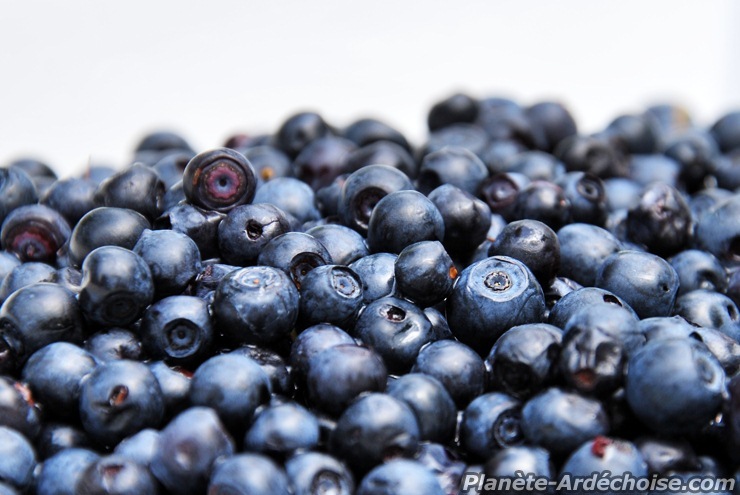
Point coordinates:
[(497, 153), (367, 131), (374, 428), (137, 188), (525, 359), (198, 224), (338, 374), (330, 294), (596, 344), (17, 459), (378, 275), (34, 168), (120, 398), (705, 200), (16, 189), (583, 248), (327, 201), (645, 281), (256, 304), (219, 179), (116, 474), (696, 152), (544, 201), (272, 364), (117, 286), (345, 246), (401, 219), (456, 366), (491, 422), (506, 120), (26, 325), (560, 421), (54, 373), (500, 192), (26, 274), (139, 447), (315, 473), (581, 298), (34, 233), (717, 231), (114, 344), (187, 449), (490, 297), (466, 218), (590, 154), (400, 477), (534, 244), (298, 131), (551, 123), (312, 341), (268, 162), (396, 330), (674, 385), (248, 474), (647, 170), (292, 196), (726, 131), (362, 191), (451, 165), (604, 454), (18, 409), (698, 270), (382, 153), (470, 137), (105, 227), (247, 229), (171, 166), (235, 386), (637, 133), (177, 329), (710, 309), (322, 160), (173, 259), (661, 220), (162, 141), (295, 253), (458, 107), (282, 429), (587, 196), (435, 410), (59, 473)]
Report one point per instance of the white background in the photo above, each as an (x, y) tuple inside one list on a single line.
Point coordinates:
[(82, 80)]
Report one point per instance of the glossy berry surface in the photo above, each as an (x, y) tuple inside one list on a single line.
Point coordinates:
[(256, 304), (491, 296), (116, 286), (219, 180)]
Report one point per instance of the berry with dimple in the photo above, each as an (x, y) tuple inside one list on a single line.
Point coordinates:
[(219, 179)]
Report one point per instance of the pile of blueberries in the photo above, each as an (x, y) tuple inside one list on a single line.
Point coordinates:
[(333, 311)]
